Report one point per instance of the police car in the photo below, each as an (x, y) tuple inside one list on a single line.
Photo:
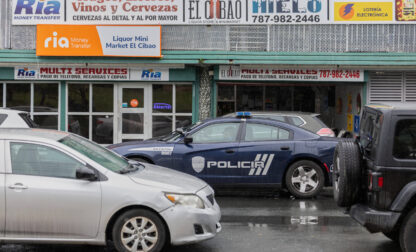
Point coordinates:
[(243, 150)]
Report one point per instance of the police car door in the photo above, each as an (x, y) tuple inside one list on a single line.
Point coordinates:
[(264, 152), (212, 153)]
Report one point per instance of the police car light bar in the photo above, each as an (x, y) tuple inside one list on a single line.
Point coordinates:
[(243, 114)]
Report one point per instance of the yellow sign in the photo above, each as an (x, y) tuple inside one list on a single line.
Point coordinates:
[(350, 122), (363, 11)]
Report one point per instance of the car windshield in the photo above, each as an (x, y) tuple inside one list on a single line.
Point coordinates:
[(99, 154), (175, 134)]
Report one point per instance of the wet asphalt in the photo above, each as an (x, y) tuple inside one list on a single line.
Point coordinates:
[(271, 222)]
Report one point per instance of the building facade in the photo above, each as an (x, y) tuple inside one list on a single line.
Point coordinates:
[(208, 70)]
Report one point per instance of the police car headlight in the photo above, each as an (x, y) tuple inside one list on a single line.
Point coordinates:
[(190, 200)]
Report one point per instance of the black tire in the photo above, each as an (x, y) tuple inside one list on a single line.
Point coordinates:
[(300, 185), (408, 232), (346, 173), (139, 236), (392, 235), (141, 160)]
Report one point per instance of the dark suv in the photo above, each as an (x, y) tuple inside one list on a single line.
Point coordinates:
[(375, 175)]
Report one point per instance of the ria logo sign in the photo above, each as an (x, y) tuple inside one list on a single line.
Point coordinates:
[(149, 74), (260, 165), (24, 73), (37, 7), (62, 42)]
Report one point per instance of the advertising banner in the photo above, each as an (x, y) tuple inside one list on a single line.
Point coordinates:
[(215, 12), (90, 40), (280, 74), (90, 73)]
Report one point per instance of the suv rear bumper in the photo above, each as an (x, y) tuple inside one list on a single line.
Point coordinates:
[(373, 220)]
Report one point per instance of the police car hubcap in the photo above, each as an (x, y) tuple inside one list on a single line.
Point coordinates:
[(305, 179)]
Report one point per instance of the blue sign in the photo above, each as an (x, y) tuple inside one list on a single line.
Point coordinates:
[(162, 106), (124, 105), (356, 124)]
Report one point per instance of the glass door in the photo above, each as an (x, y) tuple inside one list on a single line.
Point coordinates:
[(135, 116)]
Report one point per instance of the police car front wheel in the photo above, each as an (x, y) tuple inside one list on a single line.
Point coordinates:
[(304, 179)]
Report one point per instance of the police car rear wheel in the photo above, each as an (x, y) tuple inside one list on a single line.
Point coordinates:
[(305, 179)]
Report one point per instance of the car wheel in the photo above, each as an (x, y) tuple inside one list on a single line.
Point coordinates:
[(141, 160), (392, 235), (139, 230), (304, 179), (346, 173), (408, 232)]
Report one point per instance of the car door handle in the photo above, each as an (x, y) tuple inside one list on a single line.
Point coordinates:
[(285, 148), (229, 151), (18, 186)]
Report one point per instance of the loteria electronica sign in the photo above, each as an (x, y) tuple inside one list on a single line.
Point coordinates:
[(280, 74), (90, 40)]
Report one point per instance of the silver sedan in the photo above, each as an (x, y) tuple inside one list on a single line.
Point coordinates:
[(57, 187)]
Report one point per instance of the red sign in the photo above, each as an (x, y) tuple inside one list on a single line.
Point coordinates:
[(134, 103)]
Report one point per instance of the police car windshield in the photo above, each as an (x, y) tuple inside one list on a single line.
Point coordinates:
[(177, 134)]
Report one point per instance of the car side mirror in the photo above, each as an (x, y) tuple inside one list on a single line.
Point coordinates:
[(86, 173), (188, 140)]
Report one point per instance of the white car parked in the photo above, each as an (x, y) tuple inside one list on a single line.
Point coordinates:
[(10, 118), (57, 187)]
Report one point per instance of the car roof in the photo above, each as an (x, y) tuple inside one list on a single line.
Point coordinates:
[(8, 111), (28, 134), (254, 113)]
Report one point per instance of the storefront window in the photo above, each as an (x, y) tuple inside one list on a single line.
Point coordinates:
[(46, 98), (100, 94), (79, 124), (78, 98), (45, 101), (18, 96), (226, 99), (183, 99), (278, 98), (304, 99), (46, 121), (162, 125), (133, 123), (162, 98), (91, 118), (249, 98), (169, 115)]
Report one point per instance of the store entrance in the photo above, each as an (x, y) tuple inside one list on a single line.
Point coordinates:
[(134, 117)]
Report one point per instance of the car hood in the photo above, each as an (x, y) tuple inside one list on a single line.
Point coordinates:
[(167, 179)]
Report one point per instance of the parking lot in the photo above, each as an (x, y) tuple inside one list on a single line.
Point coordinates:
[(267, 222)]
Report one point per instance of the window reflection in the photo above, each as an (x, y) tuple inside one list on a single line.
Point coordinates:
[(132, 123), (78, 98), (102, 129), (79, 124), (162, 125), (102, 97), (183, 99), (18, 96), (46, 121), (46, 98), (1, 95)]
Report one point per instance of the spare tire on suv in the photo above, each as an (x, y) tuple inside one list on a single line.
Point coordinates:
[(346, 173)]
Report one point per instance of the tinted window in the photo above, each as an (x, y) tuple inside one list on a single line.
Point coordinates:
[(46, 98), (217, 133), (18, 96), (183, 99), (261, 132), (39, 160), (2, 118), (405, 140), (78, 98), (370, 132)]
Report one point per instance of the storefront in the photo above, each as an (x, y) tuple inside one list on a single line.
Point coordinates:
[(334, 94), (104, 111)]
